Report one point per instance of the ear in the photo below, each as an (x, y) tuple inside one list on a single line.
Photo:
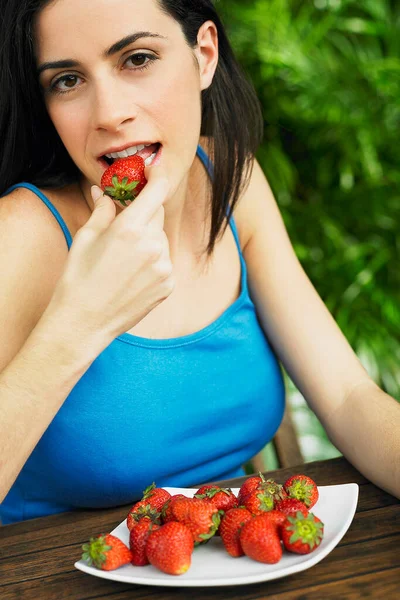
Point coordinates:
[(207, 53)]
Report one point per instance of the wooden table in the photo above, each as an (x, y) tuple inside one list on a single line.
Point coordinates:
[(37, 556)]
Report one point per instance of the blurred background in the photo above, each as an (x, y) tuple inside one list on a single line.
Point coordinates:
[(327, 73)]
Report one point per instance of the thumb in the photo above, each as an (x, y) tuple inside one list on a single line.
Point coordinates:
[(104, 209), (96, 194), (155, 172)]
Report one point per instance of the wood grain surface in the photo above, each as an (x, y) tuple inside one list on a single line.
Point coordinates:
[(37, 556)]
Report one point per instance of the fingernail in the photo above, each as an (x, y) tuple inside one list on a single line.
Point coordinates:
[(96, 192)]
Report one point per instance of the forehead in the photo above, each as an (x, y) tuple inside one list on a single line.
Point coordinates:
[(64, 26)]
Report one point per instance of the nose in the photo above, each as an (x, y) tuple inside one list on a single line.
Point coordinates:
[(112, 107)]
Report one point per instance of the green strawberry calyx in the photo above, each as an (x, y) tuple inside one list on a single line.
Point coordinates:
[(94, 553), (121, 190), (275, 489), (306, 530), (147, 492), (216, 519), (301, 490), (211, 492), (271, 486), (266, 501), (146, 511)]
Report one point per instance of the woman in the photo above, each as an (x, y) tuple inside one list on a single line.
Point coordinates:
[(141, 343)]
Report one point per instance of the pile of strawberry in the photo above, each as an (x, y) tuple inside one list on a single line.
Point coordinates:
[(264, 519)]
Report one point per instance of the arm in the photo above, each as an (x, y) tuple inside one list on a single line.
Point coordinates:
[(360, 419), (366, 430), (58, 312), (33, 387), (41, 356)]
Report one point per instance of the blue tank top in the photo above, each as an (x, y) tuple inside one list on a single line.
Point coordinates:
[(176, 411)]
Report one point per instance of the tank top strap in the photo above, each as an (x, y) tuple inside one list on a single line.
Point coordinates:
[(235, 235), (205, 159), (50, 206), (210, 168)]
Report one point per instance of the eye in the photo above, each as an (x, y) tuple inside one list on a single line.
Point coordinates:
[(64, 84), (140, 57), (69, 82)]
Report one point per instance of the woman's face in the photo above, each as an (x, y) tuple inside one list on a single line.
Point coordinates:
[(110, 91)]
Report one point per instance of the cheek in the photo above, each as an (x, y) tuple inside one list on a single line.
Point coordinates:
[(69, 124), (178, 99)]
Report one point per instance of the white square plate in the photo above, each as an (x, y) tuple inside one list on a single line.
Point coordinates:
[(213, 566)]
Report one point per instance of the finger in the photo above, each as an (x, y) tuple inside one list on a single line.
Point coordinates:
[(165, 252), (156, 223), (104, 210), (151, 198)]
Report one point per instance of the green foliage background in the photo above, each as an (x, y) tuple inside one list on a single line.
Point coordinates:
[(327, 73)]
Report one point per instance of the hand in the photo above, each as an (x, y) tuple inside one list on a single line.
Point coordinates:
[(119, 267)]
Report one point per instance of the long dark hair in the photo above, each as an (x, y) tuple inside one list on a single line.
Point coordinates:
[(31, 149)]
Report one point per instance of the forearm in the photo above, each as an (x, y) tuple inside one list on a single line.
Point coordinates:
[(366, 429), (34, 386)]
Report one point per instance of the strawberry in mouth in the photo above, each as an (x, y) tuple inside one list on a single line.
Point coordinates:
[(145, 151), (124, 178)]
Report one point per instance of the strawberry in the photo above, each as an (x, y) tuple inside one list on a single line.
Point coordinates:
[(302, 488), (258, 502), (276, 518), (302, 534), (124, 179), (201, 517), (290, 506), (260, 540), (231, 525), (170, 548), (248, 486), (138, 511), (106, 552), (155, 496), (166, 513), (275, 489), (221, 498), (137, 541), (260, 483)]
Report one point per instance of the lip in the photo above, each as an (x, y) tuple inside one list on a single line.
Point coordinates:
[(124, 147), (157, 158)]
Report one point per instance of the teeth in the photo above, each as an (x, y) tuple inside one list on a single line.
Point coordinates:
[(134, 150), (149, 160), (128, 151)]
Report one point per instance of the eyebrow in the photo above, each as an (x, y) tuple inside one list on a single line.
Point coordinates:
[(117, 47)]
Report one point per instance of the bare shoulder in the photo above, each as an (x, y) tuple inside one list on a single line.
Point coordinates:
[(26, 222), (23, 205), (33, 252), (256, 199)]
